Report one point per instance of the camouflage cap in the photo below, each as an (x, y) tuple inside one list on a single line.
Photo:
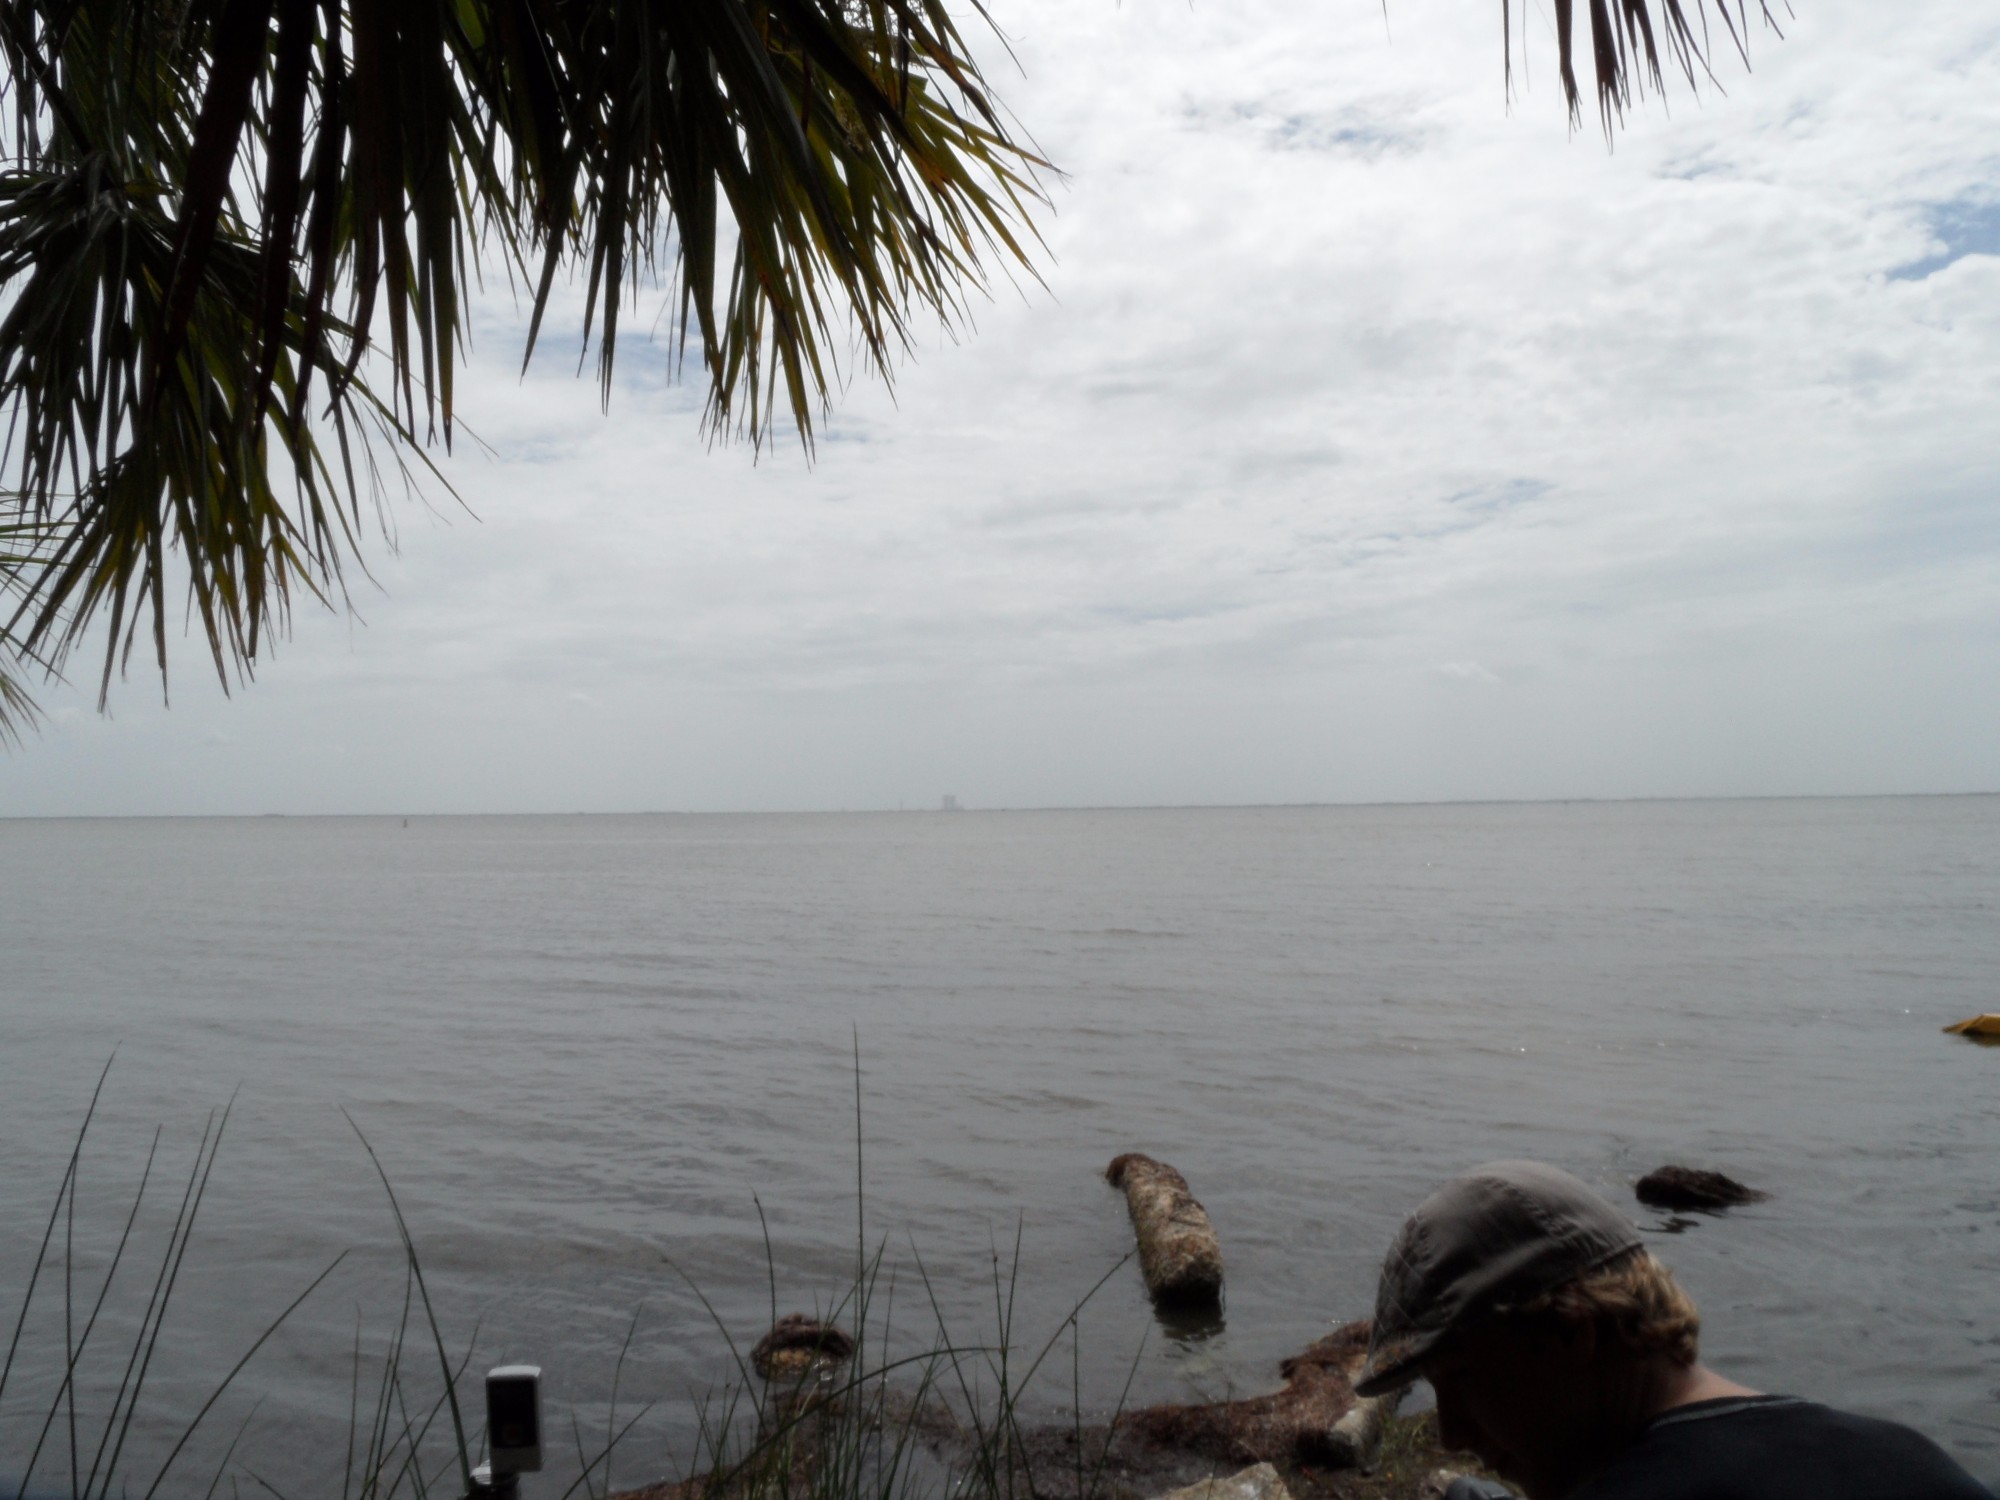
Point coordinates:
[(1502, 1232)]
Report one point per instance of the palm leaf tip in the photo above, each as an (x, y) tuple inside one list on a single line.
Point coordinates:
[(1633, 42)]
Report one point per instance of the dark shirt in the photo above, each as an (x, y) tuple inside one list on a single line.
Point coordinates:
[(1779, 1448)]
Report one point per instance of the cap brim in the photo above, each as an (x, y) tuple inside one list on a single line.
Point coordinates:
[(1393, 1363)]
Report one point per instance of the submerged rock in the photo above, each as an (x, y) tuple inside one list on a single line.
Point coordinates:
[(1690, 1187), (1179, 1254), (798, 1345)]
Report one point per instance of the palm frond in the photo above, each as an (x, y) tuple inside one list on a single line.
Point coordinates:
[(236, 238)]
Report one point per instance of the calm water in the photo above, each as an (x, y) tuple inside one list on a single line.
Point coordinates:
[(581, 1045)]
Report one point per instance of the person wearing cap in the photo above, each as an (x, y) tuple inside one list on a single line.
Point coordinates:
[(1564, 1356)]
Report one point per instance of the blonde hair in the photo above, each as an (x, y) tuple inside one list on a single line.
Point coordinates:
[(1634, 1299)]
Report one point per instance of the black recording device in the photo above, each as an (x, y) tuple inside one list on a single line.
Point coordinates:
[(513, 1428)]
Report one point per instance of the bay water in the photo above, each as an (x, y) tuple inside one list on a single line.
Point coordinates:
[(606, 1061)]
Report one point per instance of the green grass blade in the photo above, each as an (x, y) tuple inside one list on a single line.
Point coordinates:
[(423, 1292), (237, 1369), (48, 1232)]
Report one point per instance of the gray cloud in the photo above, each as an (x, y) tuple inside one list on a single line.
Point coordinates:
[(1369, 440)]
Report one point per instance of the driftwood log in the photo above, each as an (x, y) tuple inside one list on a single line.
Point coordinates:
[(1980, 1028), (1316, 1419), (1179, 1254), (1690, 1187), (1315, 1422)]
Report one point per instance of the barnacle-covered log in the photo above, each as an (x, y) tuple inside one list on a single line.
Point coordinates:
[(1178, 1252), (797, 1344)]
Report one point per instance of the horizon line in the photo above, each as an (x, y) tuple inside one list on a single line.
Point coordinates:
[(929, 808)]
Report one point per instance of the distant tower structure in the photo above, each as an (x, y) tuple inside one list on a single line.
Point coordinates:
[(951, 804)]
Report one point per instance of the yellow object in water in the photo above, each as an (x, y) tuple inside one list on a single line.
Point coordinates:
[(1986, 1025)]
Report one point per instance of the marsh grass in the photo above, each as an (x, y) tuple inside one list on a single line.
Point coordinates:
[(902, 1418), (914, 1414), (98, 1415), (93, 1443), (893, 1422)]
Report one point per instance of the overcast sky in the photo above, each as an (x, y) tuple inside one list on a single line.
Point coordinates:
[(1369, 442)]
